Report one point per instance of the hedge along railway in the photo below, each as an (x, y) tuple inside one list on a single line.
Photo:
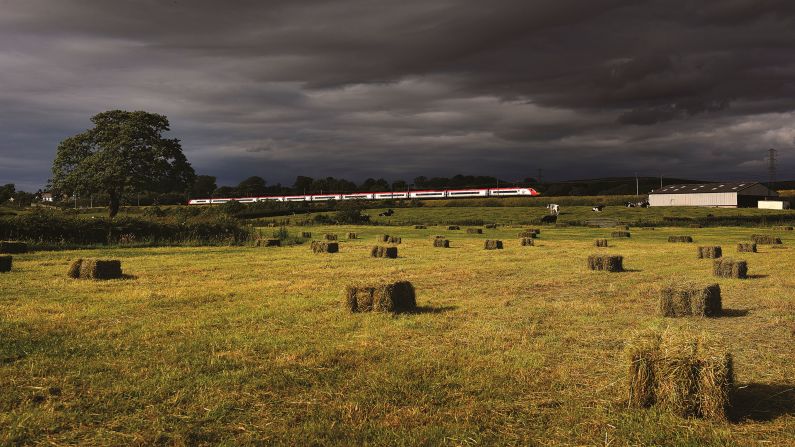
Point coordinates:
[(511, 346)]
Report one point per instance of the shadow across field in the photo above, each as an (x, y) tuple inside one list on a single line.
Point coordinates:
[(429, 310), (733, 313), (762, 402)]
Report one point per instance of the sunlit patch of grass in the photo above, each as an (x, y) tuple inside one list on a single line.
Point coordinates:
[(243, 345)]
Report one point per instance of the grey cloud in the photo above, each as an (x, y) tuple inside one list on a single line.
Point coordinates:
[(364, 87)]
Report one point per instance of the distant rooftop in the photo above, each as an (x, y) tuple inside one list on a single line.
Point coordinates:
[(704, 188)]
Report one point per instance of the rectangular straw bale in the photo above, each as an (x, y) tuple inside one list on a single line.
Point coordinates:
[(746, 247), (783, 228), (13, 247), (687, 299), (325, 247), (642, 352), (74, 268), (393, 297), (710, 252), (527, 242), (453, 227), (441, 243), (352, 236), (680, 239), (620, 234), (528, 233), (730, 268), (490, 226), (5, 263), (420, 227), (100, 269), (679, 373), (394, 240), (382, 238), (331, 237), (600, 242), (765, 239), (492, 245), (269, 243), (475, 230), (622, 227), (610, 263), (379, 251)]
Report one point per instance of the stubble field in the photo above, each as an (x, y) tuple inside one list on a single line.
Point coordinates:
[(251, 346)]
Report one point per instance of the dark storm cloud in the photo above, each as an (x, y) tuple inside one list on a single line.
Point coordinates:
[(363, 87)]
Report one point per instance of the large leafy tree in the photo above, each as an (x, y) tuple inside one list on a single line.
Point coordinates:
[(124, 152)]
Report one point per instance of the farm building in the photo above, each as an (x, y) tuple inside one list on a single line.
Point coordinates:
[(722, 195)]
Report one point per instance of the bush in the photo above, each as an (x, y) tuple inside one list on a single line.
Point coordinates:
[(54, 228)]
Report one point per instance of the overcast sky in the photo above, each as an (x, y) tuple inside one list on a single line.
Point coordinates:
[(358, 88)]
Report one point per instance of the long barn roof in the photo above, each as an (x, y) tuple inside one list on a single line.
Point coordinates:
[(705, 188)]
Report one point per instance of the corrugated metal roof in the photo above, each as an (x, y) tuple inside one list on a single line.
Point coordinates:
[(705, 188)]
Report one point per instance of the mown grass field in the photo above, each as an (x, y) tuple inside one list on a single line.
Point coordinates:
[(251, 346), (574, 215)]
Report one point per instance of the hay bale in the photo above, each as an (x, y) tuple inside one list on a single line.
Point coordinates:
[(694, 226), (74, 268), (765, 239), (622, 227), (711, 252), (681, 374), (680, 239), (306, 235), (5, 263), (474, 230), (610, 263), (100, 269), (441, 243), (620, 234), (325, 247), (394, 240), (746, 247), (600, 242), (642, 352), (648, 228), (679, 300), (382, 238), (490, 226), (527, 242), (331, 237), (528, 233), (13, 247), (379, 251), (492, 245), (419, 227), (393, 297), (453, 227), (783, 228), (352, 236), (729, 268)]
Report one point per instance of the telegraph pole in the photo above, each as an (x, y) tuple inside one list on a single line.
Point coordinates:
[(637, 185), (771, 168)]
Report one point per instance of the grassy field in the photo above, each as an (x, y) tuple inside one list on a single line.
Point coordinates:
[(576, 215), (251, 346)]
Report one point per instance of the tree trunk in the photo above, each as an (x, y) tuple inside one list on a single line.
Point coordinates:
[(115, 201)]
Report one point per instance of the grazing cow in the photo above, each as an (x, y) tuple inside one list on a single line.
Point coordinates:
[(630, 204), (554, 209), (387, 213), (598, 208), (644, 204)]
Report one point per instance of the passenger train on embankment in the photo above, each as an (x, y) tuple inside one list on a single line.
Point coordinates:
[(423, 194)]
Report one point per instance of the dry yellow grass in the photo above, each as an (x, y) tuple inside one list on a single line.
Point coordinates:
[(244, 346)]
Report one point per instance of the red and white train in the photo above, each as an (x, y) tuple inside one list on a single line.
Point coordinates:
[(434, 194)]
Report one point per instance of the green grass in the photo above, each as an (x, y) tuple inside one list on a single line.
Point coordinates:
[(251, 346), (576, 215)]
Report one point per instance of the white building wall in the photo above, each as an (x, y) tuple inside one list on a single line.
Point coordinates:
[(773, 204), (724, 199)]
